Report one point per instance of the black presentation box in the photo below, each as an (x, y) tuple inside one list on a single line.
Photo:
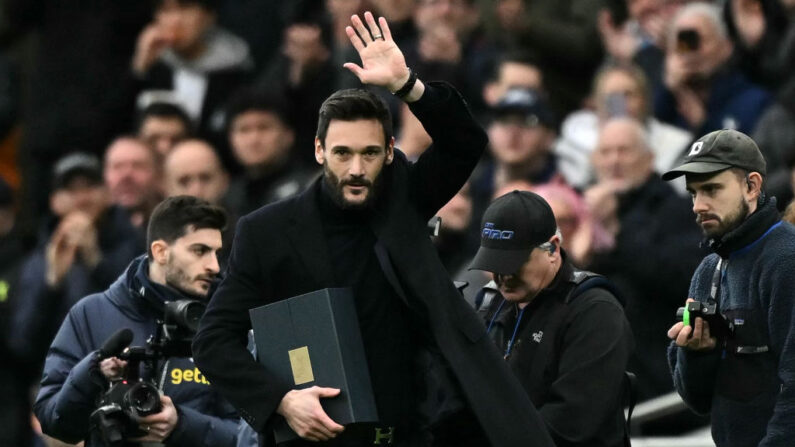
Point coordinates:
[(314, 339)]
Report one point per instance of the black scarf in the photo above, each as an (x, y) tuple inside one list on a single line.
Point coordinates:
[(154, 294)]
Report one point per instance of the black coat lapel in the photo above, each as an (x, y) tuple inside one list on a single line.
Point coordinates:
[(306, 235)]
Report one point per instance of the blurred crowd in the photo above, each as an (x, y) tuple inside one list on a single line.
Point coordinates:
[(108, 107)]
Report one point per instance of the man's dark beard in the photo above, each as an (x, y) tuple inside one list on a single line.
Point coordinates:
[(335, 186), (176, 277), (728, 224)]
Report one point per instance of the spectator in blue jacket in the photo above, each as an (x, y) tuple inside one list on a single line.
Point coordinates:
[(703, 91), (183, 239)]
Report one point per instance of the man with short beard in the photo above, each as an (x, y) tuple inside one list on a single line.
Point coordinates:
[(743, 371), (183, 240), (363, 225)]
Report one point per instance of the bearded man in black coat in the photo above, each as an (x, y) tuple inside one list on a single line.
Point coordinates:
[(363, 225)]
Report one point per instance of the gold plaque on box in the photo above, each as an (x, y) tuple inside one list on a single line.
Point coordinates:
[(302, 365), (324, 322)]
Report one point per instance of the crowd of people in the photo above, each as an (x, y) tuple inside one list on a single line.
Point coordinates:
[(115, 106)]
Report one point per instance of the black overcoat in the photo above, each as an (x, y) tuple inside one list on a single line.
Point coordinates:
[(279, 252)]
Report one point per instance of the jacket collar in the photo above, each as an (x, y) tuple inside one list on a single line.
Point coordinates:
[(750, 230), (306, 234), (139, 297)]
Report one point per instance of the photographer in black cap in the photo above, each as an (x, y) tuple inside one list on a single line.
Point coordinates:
[(562, 330), (746, 379)]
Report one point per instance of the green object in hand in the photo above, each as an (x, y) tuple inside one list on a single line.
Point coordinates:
[(686, 316)]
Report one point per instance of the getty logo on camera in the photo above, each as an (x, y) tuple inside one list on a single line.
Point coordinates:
[(489, 232)]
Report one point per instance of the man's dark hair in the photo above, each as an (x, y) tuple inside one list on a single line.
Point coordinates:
[(165, 110), (250, 100), (522, 57), (352, 105), (175, 216)]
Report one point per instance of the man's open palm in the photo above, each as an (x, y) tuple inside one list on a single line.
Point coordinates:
[(383, 63)]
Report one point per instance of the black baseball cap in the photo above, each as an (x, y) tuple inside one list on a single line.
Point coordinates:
[(513, 225), (76, 165), (526, 102), (718, 151)]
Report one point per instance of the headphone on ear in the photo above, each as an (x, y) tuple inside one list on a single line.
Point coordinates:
[(552, 248)]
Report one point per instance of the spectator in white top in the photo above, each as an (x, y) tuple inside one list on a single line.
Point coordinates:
[(619, 90)]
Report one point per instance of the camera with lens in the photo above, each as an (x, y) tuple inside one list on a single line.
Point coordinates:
[(719, 326), (136, 394)]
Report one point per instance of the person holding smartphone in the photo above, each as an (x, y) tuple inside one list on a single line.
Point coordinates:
[(702, 91)]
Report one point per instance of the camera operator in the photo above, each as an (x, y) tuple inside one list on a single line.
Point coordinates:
[(183, 239), (738, 367)]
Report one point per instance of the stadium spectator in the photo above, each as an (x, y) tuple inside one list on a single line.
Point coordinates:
[(703, 91), (193, 168), (261, 137), (758, 29), (82, 248), (619, 90), (452, 45), (161, 125), (641, 38), (132, 175), (521, 135), (183, 56), (514, 69), (582, 235), (656, 244), (563, 35), (521, 138), (449, 45), (304, 74)]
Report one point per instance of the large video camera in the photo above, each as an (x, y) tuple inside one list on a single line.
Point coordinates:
[(719, 326), (136, 394)]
